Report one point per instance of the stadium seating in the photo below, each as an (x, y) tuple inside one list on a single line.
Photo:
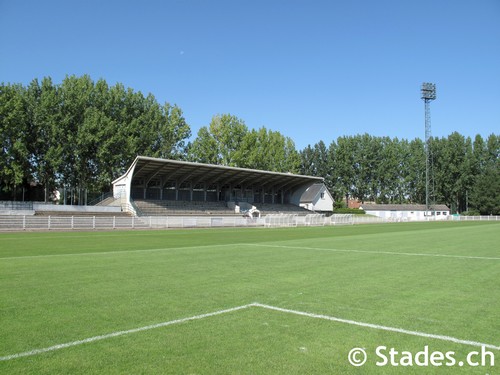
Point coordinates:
[(166, 208), (81, 214), (275, 208)]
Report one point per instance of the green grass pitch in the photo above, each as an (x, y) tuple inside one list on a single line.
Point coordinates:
[(92, 290)]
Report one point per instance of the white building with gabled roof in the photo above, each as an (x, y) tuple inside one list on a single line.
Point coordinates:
[(317, 198)]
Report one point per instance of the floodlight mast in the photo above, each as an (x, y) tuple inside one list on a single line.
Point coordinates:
[(428, 94)]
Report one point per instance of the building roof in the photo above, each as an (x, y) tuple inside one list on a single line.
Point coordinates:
[(402, 207), (150, 168), (311, 193)]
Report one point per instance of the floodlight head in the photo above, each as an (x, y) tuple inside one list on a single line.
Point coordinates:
[(428, 91)]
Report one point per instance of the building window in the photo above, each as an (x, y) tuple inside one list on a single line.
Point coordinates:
[(322, 195)]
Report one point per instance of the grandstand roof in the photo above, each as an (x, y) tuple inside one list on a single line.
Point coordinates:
[(149, 168)]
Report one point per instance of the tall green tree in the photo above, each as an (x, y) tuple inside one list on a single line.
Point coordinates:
[(220, 142), (485, 196), (364, 163), (345, 158), (479, 155), (388, 176), (451, 170), (76, 100), (485, 191), (315, 161), (45, 133), (308, 161), (14, 159), (82, 133), (267, 150), (493, 149), (413, 171)]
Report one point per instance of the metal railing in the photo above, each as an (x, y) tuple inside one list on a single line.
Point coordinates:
[(476, 218), (16, 205), (31, 222)]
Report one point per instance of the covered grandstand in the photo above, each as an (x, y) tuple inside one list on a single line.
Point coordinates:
[(153, 186)]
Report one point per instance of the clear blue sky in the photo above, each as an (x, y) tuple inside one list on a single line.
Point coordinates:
[(313, 70)]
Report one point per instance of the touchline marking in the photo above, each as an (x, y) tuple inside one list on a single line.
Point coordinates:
[(374, 252), (254, 304)]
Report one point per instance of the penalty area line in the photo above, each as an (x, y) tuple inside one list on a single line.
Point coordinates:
[(379, 327), (120, 333), (254, 304)]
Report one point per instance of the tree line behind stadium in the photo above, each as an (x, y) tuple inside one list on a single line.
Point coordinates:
[(82, 134)]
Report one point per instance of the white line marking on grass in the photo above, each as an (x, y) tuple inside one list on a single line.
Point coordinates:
[(379, 327), (118, 251), (120, 333), (375, 252), (254, 304)]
